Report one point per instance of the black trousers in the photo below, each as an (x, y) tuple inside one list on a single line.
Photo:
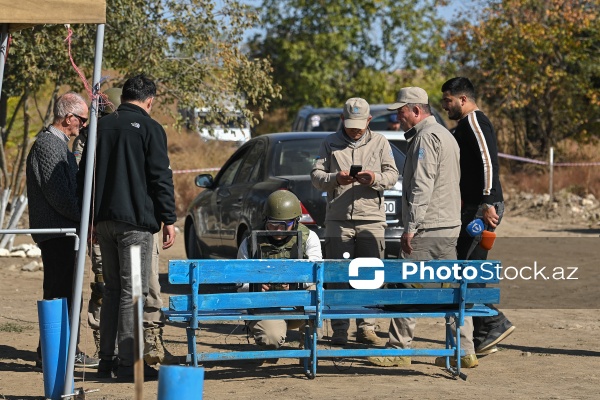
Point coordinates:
[(58, 256), (466, 251)]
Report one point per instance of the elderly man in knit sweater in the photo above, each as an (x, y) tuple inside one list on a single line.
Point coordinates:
[(53, 203)]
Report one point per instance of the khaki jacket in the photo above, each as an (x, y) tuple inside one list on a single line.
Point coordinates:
[(431, 185), (356, 201)]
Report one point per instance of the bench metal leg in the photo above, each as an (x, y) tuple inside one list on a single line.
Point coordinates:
[(451, 343), (458, 362), (191, 342), (310, 343)]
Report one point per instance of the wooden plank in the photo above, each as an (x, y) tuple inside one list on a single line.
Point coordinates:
[(284, 271), (380, 297), (246, 300), (243, 271)]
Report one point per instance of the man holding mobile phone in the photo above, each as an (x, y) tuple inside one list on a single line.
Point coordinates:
[(354, 167)]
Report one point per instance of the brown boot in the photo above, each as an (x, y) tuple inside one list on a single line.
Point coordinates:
[(154, 348)]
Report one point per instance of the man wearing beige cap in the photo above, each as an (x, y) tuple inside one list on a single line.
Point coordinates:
[(430, 208), (354, 167)]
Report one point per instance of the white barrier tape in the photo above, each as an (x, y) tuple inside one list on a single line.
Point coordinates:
[(581, 164), (185, 171), (558, 164), (517, 158)]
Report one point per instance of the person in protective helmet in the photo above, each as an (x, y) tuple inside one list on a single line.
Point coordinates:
[(282, 213)]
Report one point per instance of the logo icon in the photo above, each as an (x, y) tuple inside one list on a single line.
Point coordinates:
[(366, 262)]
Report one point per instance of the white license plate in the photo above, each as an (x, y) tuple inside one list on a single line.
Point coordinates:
[(390, 206)]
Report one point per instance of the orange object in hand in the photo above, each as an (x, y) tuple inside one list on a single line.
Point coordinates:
[(487, 239)]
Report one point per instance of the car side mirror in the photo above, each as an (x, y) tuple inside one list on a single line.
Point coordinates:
[(204, 180)]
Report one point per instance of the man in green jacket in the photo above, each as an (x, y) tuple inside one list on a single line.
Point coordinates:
[(355, 217), (430, 208)]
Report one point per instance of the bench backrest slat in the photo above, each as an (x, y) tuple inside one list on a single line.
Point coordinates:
[(243, 271)]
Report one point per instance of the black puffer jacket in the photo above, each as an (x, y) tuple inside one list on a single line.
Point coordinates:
[(133, 178)]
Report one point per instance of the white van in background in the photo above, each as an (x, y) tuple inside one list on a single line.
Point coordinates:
[(236, 130)]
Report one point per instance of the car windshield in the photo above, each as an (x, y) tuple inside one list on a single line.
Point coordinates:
[(295, 157), (323, 122)]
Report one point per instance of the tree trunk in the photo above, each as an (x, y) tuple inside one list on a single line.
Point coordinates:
[(24, 148), (6, 132), (19, 208)]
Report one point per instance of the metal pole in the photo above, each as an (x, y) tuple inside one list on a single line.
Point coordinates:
[(138, 307), (3, 51), (551, 166), (85, 209)]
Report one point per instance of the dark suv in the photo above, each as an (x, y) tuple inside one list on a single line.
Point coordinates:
[(311, 119)]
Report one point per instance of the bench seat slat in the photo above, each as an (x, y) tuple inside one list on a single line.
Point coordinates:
[(375, 297), (245, 300)]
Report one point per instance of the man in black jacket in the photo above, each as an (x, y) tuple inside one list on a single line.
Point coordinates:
[(481, 192), (133, 197)]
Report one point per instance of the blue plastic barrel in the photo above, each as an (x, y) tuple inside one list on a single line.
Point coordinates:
[(53, 317), (176, 382)]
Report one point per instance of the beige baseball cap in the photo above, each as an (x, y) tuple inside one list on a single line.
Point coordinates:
[(410, 95), (356, 113)]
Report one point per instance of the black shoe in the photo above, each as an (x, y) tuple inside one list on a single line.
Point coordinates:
[(107, 369), (125, 373), (495, 336), (83, 360)]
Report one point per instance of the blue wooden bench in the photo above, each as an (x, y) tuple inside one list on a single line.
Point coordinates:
[(453, 303)]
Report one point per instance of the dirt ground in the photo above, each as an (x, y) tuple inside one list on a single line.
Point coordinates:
[(553, 354)]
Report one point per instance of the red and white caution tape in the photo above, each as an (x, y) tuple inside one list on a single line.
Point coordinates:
[(558, 164)]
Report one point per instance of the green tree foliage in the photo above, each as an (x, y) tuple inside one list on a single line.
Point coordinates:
[(536, 63), (326, 51), (190, 47)]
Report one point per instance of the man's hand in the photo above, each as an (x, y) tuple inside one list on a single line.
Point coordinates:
[(405, 242), (168, 236), (279, 287), (92, 238), (490, 217), (365, 177), (343, 178)]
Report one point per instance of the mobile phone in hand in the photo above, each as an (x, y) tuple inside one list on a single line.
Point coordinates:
[(355, 169)]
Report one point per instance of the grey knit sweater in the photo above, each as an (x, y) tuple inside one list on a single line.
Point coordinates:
[(52, 184)]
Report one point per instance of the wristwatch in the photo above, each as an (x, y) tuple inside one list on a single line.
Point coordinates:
[(486, 206)]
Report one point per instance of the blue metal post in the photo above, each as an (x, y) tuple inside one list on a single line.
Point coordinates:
[(176, 382), (54, 336)]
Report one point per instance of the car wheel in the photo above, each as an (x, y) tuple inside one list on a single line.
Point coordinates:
[(192, 247)]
